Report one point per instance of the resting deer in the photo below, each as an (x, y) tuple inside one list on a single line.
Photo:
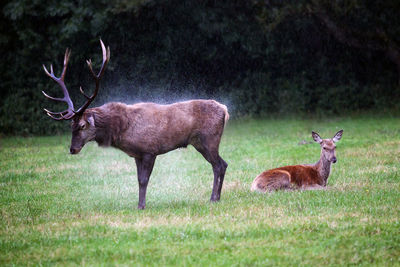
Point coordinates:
[(145, 130), (306, 177)]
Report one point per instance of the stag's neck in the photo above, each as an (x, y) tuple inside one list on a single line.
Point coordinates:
[(323, 167), (109, 122)]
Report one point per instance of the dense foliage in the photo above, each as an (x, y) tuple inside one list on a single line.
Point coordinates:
[(258, 57)]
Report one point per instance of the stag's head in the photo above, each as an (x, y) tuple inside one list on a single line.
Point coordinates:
[(83, 130), (83, 125), (328, 146)]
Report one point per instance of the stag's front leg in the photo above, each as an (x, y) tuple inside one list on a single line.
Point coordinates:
[(144, 167)]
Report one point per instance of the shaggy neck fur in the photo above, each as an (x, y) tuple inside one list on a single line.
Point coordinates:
[(323, 167), (109, 123)]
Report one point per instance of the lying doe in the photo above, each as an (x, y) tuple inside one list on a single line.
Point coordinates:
[(145, 130), (301, 176)]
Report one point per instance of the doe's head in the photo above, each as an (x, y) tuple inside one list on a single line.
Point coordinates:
[(328, 146), (83, 130)]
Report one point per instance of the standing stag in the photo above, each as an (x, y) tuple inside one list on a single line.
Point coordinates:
[(305, 177), (145, 130)]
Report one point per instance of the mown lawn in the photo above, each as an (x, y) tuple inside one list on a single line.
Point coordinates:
[(61, 209)]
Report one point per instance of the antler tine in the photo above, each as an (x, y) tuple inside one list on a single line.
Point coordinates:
[(89, 62), (83, 93), (54, 113), (96, 77), (106, 58), (54, 117), (47, 72), (63, 115), (66, 59), (52, 98)]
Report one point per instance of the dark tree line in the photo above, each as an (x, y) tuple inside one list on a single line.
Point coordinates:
[(258, 57)]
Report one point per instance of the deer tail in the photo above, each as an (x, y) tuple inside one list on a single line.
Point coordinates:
[(226, 113)]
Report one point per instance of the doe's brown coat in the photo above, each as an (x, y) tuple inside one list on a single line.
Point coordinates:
[(314, 176)]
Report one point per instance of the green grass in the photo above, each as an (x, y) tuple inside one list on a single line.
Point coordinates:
[(61, 209)]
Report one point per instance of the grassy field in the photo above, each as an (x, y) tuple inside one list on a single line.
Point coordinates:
[(61, 209)]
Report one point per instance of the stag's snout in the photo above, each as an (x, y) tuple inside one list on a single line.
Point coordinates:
[(73, 150), (334, 159)]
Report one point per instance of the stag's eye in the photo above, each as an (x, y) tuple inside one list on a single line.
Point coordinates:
[(83, 126)]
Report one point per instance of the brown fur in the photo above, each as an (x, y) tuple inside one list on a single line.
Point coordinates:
[(300, 176), (146, 130), (157, 129), (288, 177)]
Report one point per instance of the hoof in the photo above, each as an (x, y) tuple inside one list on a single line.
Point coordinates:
[(214, 199)]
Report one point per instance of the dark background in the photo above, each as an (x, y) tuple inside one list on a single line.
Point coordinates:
[(309, 58)]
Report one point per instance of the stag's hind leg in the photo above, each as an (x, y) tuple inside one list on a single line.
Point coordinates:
[(222, 175), (208, 147), (219, 167), (271, 180)]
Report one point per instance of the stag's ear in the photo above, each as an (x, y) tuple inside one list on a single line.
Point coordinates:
[(337, 136), (316, 137), (90, 120)]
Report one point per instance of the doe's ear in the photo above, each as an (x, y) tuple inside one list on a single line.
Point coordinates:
[(90, 120), (337, 136), (316, 137)]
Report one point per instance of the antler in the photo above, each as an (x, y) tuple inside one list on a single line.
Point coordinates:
[(70, 112), (96, 77)]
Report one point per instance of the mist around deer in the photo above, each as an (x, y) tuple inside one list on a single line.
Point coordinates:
[(130, 93)]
